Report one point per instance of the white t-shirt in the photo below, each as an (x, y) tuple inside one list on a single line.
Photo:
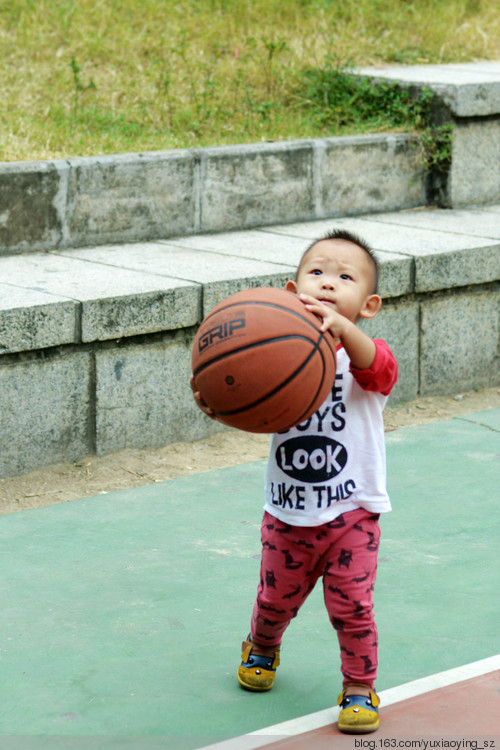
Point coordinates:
[(335, 461)]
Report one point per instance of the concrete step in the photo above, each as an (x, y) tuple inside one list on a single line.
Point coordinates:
[(468, 98)]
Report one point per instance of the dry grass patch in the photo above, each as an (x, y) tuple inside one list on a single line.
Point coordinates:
[(92, 77)]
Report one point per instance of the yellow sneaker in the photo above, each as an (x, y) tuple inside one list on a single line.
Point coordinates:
[(359, 713), (257, 672)]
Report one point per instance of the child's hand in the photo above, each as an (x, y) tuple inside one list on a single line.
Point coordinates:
[(199, 401), (332, 320), (359, 347)]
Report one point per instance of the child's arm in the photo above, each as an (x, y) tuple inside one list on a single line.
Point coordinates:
[(381, 377), (359, 347), (372, 362)]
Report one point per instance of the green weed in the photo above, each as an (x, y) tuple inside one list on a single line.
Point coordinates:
[(340, 98), (437, 145), (79, 86)]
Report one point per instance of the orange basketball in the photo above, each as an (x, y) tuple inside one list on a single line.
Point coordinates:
[(260, 361)]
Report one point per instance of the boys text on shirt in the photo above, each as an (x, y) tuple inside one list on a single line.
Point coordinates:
[(335, 461)]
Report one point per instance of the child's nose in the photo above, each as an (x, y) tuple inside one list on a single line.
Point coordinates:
[(328, 283)]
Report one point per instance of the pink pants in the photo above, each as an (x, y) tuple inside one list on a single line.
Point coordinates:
[(344, 552)]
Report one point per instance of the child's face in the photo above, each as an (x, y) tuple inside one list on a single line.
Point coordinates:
[(337, 273)]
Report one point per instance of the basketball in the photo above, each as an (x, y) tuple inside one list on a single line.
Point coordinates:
[(260, 361)]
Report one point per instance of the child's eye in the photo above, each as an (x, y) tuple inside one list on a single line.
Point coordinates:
[(345, 276), (316, 272)]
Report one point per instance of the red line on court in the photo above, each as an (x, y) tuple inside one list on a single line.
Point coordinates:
[(469, 709), (460, 707)]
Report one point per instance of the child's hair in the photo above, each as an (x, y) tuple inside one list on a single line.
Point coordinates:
[(344, 234)]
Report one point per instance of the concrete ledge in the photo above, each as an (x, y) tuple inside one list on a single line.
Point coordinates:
[(467, 330), (475, 173), (129, 197), (119, 291), (134, 197)]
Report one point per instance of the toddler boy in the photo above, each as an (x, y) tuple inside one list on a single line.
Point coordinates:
[(326, 487)]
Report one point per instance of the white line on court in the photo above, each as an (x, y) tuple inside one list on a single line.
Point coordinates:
[(319, 719)]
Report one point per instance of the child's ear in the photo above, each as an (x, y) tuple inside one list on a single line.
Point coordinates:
[(291, 286), (371, 306)]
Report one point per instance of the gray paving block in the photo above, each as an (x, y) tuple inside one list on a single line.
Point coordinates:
[(443, 264), (44, 407), (219, 275), (114, 302), (199, 258), (34, 320), (475, 222), (398, 324), (143, 397), (395, 276), (130, 197), (32, 200), (367, 173), (474, 265), (442, 259), (244, 186), (459, 343), (223, 275), (217, 293), (475, 169), (468, 89), (255, 244)]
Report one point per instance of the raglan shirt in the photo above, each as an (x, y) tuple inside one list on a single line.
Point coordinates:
[(335, 461)]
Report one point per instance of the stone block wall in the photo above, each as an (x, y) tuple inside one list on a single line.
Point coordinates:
[(79, 202)]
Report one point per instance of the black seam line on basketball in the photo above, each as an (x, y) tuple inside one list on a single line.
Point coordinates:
[(298, 420), (281, 385), (254, 345), (322, 338)]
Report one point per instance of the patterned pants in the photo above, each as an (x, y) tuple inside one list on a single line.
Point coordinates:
[(344, 552)]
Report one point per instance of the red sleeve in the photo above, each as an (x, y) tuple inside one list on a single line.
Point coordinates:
[(382, 375)]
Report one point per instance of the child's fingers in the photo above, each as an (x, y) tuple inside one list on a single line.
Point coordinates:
[(312, 304), (307, 299), (317, 308), (205, 409), (199, 400)]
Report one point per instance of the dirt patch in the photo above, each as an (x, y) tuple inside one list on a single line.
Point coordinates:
[(135, 468)]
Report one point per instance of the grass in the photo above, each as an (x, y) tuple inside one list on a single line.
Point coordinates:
[(86, 77)]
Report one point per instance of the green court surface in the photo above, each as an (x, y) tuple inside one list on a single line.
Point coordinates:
[(123, 614)]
